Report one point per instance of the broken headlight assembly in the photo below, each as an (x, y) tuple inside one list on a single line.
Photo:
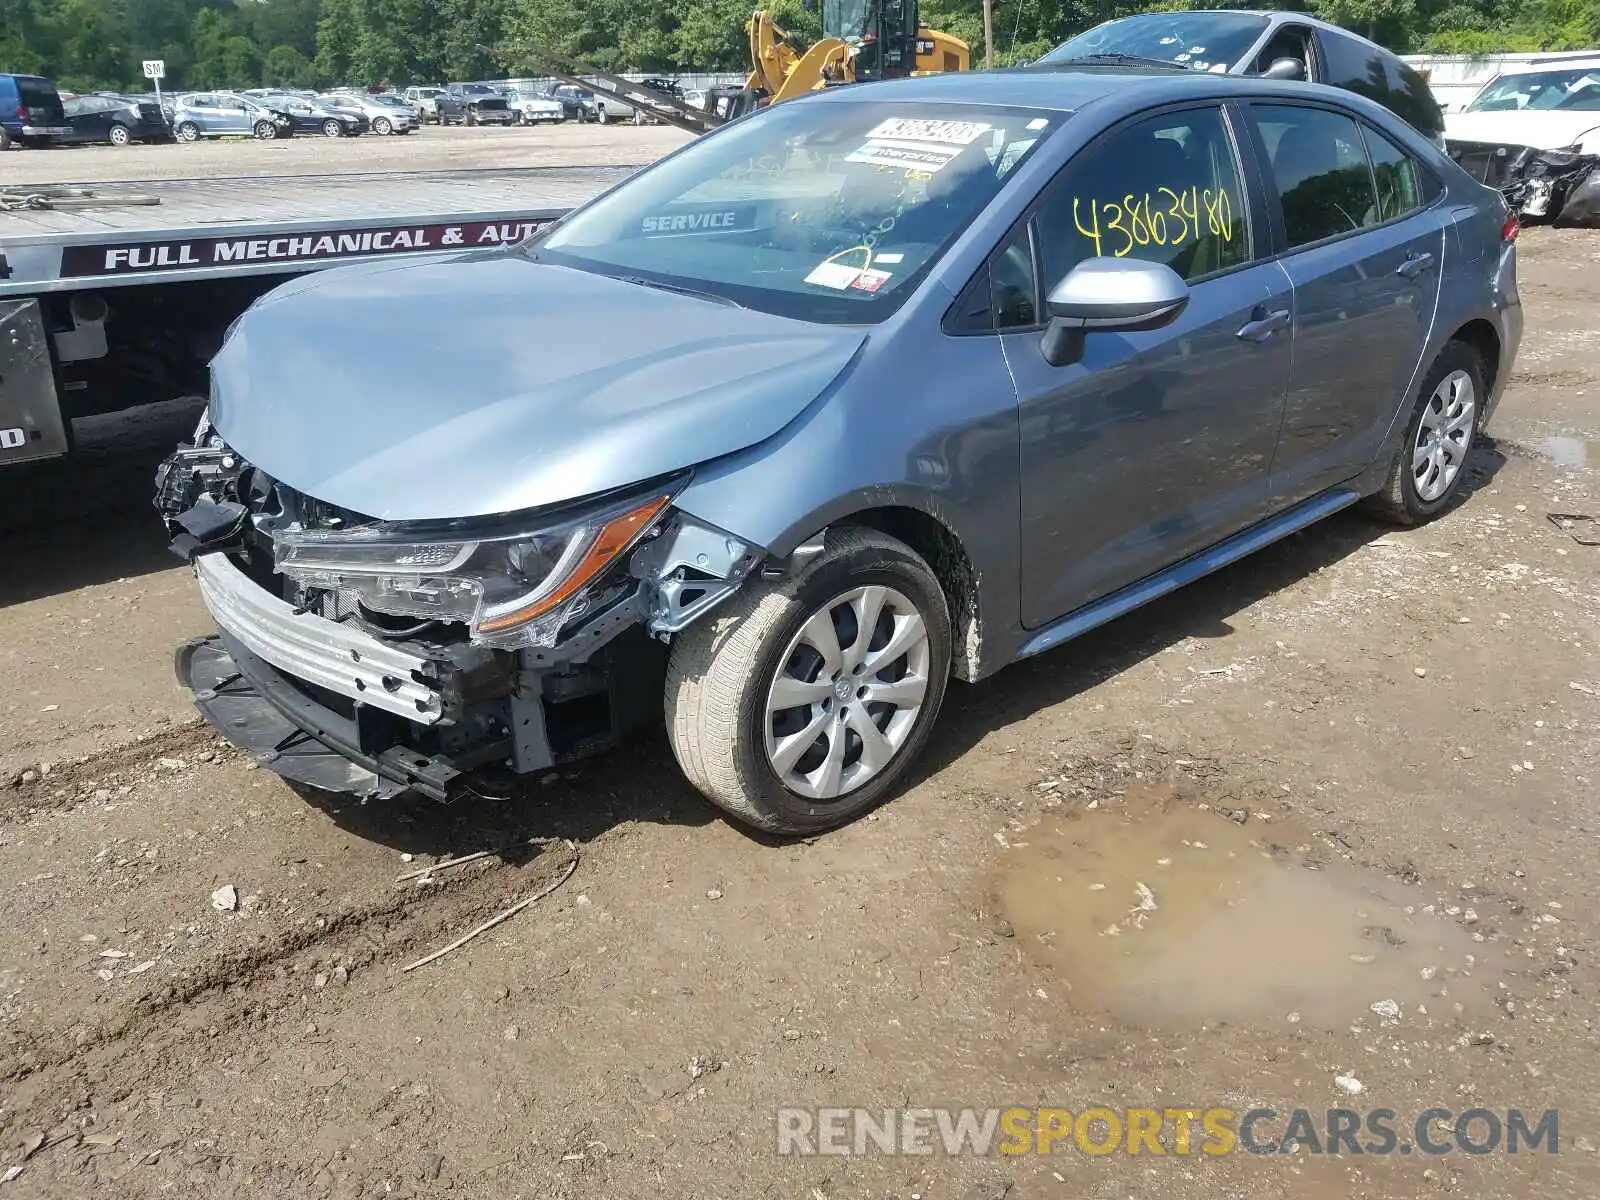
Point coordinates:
[(512, 584)]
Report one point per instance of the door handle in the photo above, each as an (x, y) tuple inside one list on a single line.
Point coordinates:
[(1261, 328), (1414, 265)]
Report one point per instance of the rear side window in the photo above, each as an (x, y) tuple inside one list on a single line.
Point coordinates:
[(1348, 64), (1166, 189), (1320, 167), (1396, 174), (1411, 99), (36, 93)]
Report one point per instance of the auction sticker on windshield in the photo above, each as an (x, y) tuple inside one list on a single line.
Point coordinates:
[(899, 154), (914, 129)]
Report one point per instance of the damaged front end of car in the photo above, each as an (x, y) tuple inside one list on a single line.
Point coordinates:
[(1558, 186), (367, 657)]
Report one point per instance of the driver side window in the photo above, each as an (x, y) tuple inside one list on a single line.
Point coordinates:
[(1166, 189)]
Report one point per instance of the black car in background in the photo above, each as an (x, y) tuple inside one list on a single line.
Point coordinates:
[(119, 120), (580, 104)]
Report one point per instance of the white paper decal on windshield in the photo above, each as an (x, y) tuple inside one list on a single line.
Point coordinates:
[(889, 257), (837, 276), (899, 154), (1037, 124), (914, 129)]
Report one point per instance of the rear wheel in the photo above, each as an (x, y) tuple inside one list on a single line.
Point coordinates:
[(800, 706), (332, 128), (118, 135), (188, 132), (5, 139), (1428, 468)]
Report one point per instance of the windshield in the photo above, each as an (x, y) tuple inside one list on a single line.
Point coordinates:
[(1205, 41), (1571, 90), (844, 18), (822, 211)]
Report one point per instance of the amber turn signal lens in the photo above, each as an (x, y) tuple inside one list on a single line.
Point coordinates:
[(615, 537)]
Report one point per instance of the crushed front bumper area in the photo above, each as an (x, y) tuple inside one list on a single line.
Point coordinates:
[(256, 708), (1559, 186)]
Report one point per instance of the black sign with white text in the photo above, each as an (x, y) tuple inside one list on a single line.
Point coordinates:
[(310, 247)]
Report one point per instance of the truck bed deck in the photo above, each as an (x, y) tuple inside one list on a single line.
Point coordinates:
[(116, 234)]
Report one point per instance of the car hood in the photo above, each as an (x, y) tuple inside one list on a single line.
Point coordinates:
[(1543, 129), (490, 384)]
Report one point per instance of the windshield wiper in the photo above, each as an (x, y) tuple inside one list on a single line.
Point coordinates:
[(681, 290), (1119, 60)]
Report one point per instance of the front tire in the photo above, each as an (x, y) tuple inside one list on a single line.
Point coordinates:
[(801, 705), (332, 128), (188, 132), (382, 127), (265, 131), (1426, 472)]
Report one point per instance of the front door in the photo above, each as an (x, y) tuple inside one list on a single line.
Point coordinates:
[(1154, 445), (1364, 254)]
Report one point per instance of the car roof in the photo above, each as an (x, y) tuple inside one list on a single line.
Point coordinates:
[(1069, 87), (1584, 62)]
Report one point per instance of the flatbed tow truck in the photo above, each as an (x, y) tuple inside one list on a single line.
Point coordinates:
[(117, 295)]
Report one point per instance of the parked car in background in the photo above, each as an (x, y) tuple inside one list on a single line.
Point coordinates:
[(607, 111), (579, 103), (482, 105), (435, 105), (1543, 107), (383, 116), (119, 120), (1153, 320), (537, 108), (226, 114), (30, 112), (314, 116), (1279, 45)]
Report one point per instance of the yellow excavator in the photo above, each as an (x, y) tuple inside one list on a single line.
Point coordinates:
[(862, 40)]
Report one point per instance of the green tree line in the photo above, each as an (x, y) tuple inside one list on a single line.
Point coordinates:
[(92, 44)]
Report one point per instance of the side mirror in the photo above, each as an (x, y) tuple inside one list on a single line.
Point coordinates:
[(1285, 68), (1109, 294)]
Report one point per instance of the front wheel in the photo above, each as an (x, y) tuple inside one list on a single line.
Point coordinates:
[(799, 706), (332, 128), (382, 127), (265, 131), (188, 132), (118, 135), (603, 117), (1427, 470)]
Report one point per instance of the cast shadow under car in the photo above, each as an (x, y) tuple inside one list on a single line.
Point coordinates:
[(640, 782)]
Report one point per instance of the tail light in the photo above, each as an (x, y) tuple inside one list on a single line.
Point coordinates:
[(22, 113), (1511, 227)]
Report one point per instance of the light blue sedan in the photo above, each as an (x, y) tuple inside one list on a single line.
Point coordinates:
[(892, 384)]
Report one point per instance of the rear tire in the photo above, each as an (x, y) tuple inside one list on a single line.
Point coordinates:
[(1426, 472), (747, 752), (5, 139), (118, 135)]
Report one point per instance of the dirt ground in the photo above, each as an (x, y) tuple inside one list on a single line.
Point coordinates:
[(429, 148), (1324, 821)]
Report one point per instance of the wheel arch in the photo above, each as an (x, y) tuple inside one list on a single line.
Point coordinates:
[(1483, 337), (936, 541)]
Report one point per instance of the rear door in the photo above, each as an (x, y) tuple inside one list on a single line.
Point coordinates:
[(1155, 444), (1364, 247)]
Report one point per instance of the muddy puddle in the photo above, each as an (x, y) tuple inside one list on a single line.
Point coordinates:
[(1158, 912), (1569, 451)]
